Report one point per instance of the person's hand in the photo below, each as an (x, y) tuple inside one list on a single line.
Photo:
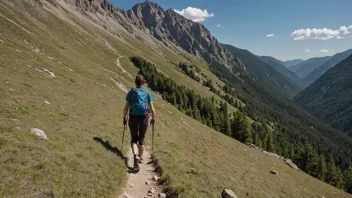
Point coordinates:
[(124, 121), (152, 121)]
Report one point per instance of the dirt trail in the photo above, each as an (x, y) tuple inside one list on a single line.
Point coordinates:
[(140, 184), (118, 63)]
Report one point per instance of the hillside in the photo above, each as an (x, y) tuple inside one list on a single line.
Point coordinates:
[(65, 68), (314, 75), (329, 98), (281, 68), (305, 68)]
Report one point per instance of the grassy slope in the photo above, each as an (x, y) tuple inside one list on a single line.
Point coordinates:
[(86, 104)]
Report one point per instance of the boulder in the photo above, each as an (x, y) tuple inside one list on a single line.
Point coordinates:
[(226, 193), (162, 195), (40, 133)]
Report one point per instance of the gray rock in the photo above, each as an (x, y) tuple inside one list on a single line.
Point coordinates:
[(51, 74), (274, 172), (162, 195), (226, 193), (40, 133)]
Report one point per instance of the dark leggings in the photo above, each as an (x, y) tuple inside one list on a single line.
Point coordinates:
[(138, 127)]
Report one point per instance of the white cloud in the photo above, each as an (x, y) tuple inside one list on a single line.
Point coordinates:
[(194, 14), (307, 50), (219, 26), (269, 35), (324, 51), (340, 37), (321, 34)]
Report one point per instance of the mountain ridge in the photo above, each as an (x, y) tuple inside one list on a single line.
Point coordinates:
[(282, 69), (305, 68)]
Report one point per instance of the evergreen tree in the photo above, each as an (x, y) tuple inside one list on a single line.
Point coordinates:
[(348, 179), (321, 168), (240, 129), (334, 175)]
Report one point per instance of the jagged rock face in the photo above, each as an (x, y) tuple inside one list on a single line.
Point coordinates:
[(170, 26), (166, 26)]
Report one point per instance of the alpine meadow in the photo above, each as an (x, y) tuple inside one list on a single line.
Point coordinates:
[(219, 120)]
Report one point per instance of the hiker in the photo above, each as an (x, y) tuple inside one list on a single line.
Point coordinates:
[(139, 102)]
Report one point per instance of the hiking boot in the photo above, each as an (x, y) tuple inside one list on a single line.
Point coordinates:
[(136, 163), (140, 160)]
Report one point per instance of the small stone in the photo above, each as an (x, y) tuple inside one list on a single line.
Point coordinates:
[(226, 193), (274, 172), (18, 51), (40, 133), (1, 41), (147, 183), (152, 190), (156, 178), (162, 195), (46, 102)]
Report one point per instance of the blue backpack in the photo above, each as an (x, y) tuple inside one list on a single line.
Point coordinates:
[(139, 104)]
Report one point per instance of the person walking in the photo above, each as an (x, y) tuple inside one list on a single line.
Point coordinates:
[(139, 102)]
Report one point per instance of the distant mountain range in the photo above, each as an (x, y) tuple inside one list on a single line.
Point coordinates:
[(303, 69), (281, 68), (330, 97), (290, 63), (314, 75), (305, 72)]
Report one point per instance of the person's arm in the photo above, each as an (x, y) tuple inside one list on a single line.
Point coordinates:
[(153, 110), (125, 110)]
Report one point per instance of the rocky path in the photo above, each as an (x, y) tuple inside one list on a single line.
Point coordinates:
[(144, 183)]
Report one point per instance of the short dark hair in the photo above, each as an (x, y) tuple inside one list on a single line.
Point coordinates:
[(139, 80)]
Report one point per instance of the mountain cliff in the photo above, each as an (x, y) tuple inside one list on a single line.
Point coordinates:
[(168, 26)]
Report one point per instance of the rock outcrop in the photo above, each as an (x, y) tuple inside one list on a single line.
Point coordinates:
[(286, 161)]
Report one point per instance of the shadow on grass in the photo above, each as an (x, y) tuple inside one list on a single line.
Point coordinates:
[(115, 150)]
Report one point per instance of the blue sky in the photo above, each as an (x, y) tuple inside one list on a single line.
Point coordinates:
[(247, 23)]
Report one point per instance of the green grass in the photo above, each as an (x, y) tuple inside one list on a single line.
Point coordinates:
[(83, 121)]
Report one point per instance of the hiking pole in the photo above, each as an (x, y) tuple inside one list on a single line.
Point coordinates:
[(123, 135), (153, 140)]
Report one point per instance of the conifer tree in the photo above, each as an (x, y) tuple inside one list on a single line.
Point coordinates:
[(321, 168), (348, 179)]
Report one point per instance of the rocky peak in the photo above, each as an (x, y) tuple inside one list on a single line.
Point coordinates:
[(169, 26)]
